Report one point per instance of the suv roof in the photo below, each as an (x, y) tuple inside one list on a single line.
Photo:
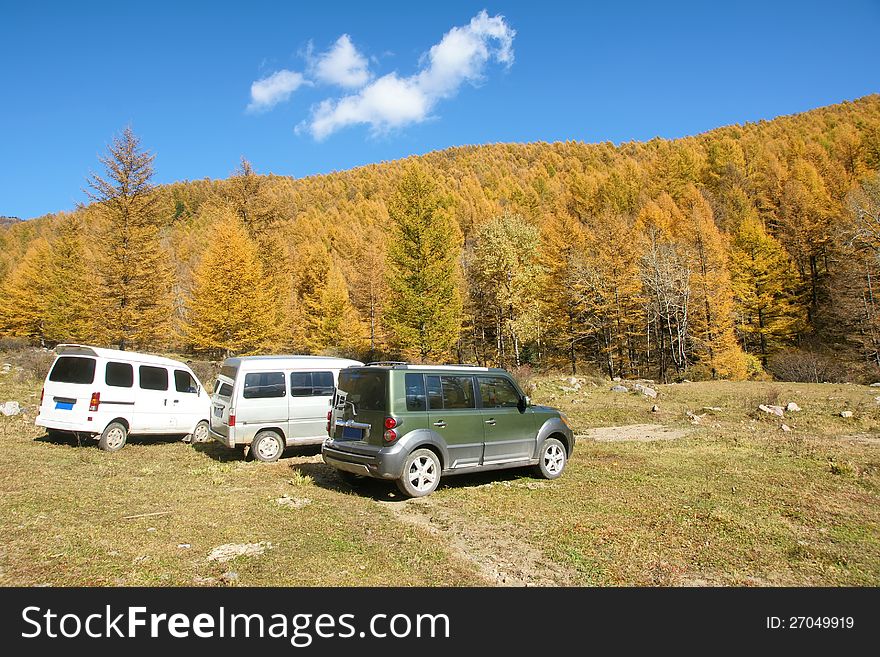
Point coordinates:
[(400, 365)]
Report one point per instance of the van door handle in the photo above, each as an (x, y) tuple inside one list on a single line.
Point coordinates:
[(491, 421), (440, 423), (176, 401)]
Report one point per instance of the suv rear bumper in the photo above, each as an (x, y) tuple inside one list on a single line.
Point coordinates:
[(378, 462)]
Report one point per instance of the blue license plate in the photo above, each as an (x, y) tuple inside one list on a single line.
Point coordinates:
[(63, 406), (351, 433)]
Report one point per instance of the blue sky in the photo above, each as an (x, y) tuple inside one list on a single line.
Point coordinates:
[(181, 74)]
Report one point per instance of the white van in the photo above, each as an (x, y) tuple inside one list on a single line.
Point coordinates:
[(111, 394), (273, 402)]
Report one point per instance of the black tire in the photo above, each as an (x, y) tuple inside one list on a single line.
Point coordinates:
[(552, 459), (421, 473), (267, 446), (114, 437)]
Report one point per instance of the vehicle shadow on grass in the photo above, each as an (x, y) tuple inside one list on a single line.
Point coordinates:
[(72, 440), (225, 454), (384, 490)]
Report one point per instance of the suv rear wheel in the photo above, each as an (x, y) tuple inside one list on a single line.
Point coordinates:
[(267, 446), (421, 474), (552, 460)]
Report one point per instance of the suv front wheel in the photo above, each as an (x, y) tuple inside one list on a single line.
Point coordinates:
[(421, 474), (552, 460)]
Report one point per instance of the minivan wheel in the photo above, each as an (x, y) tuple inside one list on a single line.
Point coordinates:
[(267, 446), (552, 460), (114, 437), (421, 474), (200, 434)]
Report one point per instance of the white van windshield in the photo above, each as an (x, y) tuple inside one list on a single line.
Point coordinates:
[(73, 369)]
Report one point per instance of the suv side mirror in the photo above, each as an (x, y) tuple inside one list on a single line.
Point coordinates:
[(524, 403)]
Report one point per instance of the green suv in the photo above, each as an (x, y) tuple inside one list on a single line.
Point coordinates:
[(414, 423)]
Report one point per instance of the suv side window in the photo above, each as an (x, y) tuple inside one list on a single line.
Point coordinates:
[(458, 392), (498, 392), (415, 392), (260, 385), (311, 384), (435, 392)]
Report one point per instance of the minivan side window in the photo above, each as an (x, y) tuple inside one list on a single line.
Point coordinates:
[(73, 369), (260, 385), (458, 392), (415, 392), (152, 378), (498, 392), (184, 382), (311, 384), (119, 375)]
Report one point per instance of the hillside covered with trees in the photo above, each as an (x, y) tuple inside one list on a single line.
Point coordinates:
[(744, 250)]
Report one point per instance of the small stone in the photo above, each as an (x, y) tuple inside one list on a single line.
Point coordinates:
[(293, 502), (151, 529), (616, 378), (773, 410), (714, 409), (876, 384), (230, 577), (619, 389), (655, 409), (792, 407), (786, 428), (184, 546), (10, 408), (846, 413)]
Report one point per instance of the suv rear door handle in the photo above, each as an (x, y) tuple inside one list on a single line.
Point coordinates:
[(440, 423), (491, 421)]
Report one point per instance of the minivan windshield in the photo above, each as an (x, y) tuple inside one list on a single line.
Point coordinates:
[(365, 388)]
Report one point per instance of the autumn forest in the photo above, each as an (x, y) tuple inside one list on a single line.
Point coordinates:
[(749, 251)]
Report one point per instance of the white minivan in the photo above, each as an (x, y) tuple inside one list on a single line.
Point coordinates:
[(112, 394), (272, 402)]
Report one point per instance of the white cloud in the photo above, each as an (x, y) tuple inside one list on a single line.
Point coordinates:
[(276, 88), (392, 101), (342, 65)]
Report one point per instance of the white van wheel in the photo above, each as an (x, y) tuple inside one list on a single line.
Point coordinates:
[(267, 446), (114, 437), (201, 434)]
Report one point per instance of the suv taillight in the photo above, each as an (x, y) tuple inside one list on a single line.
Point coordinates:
[(95, 402), (232, 418), (329, 415)]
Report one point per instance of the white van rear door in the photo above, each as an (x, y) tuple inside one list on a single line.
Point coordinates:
[(68, 390), (310, 396)]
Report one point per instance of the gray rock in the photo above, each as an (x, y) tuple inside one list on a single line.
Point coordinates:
[(619, 389), (572, 381), (786, 428), (792, 407), (873, 385), (655, 409), (645, 390), (10, 408), (773, 410), (616, 378), (714, 409), (846, 413)]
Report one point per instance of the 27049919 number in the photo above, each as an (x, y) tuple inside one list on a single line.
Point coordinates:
[(810, 622)]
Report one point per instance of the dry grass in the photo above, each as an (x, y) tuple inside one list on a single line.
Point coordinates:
[(737, 501)]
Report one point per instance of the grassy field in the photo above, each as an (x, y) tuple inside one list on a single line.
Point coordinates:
[(734, 501)]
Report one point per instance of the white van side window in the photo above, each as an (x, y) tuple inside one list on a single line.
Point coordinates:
[(183, 382), (119, 375), (259, 385), (311, 384), (153, 378)]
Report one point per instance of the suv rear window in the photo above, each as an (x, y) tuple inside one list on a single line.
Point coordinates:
[(260, 385), (365, 388), (73, 369)]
